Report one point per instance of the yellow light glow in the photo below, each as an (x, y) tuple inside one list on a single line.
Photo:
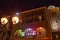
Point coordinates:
[(4, 20), (41, 29), (40, 18), (15, 20), (54, 25)]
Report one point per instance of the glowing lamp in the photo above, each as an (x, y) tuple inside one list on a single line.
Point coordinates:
[(19, 33), (29, 32), (4, 20), (15, 20), (40, 29)]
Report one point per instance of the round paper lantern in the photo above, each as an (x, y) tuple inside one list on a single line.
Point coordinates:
[(15, 20), (4, 21)]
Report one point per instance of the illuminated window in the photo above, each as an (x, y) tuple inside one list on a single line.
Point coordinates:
[(41, 32), (29, 32), (54, 25), (40, 18), (19, 33)]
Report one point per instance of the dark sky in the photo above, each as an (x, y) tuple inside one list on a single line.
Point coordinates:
[(8, 7)]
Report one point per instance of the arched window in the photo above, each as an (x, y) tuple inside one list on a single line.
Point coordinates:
[(29, 32), (19, 33), (41, 32)]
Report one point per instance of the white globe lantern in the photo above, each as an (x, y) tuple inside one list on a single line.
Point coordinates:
[(4, 20), (51, 7), (15, 20)]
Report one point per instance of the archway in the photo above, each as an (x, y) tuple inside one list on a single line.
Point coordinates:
[(19, 33), (29, 32), (41, 32)]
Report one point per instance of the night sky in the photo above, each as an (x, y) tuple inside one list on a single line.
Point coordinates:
[(9, 7)]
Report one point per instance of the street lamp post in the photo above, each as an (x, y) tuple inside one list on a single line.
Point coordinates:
[(4, 27)]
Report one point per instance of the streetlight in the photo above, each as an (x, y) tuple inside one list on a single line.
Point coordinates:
[(15, 20), (4, 21)]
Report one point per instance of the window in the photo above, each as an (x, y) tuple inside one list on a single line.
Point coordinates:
[(29, 32), (41, 32), (54, 13), (29, 20)]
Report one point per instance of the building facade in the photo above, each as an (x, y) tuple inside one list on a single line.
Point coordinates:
[(54, 19), (37, 20), (36, 24)]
